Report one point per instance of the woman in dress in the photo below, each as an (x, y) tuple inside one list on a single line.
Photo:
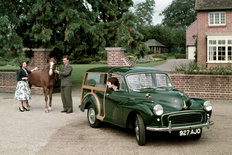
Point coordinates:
[(23, 92)]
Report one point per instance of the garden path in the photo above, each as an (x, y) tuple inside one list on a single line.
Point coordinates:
[(170, 64)]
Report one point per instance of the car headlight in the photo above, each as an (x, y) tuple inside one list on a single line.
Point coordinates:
[(158, 110), (207, 106)]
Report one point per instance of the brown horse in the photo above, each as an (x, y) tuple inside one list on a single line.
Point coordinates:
[(45, 78)]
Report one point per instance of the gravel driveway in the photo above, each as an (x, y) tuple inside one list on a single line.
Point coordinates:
[(55, 133), (170, 64)]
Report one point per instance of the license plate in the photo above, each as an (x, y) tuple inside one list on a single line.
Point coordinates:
[(190, 132)]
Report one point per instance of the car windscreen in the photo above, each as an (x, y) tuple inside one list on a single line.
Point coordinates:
[(148, 80)]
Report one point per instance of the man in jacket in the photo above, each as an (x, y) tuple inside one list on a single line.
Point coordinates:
[(66, 85)]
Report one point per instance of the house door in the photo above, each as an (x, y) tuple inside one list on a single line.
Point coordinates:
[(191, 52)]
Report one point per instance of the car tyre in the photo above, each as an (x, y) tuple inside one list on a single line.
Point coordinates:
[(91, 116), (196, 137), (140, 133)]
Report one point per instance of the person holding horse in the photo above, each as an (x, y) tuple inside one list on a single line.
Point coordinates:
[(23, 92), (66, 85)]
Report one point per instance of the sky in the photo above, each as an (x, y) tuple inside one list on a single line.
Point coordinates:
[(160, 5)]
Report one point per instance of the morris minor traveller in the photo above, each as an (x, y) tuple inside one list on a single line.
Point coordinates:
[(146, 100)]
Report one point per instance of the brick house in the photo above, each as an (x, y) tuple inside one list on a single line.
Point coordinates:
[(214, 32), (191, 36)]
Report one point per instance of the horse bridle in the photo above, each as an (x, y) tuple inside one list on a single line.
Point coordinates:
[(51, 68)]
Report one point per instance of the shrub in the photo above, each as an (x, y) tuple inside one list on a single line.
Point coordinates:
[(102, 55), (145, 59), (180, 56), (3, 63), (103, 62), (16, 61), (163, 56), (194, 68), (97, 58), (180, 68), (132, 58), (82, 61), (150, 52)]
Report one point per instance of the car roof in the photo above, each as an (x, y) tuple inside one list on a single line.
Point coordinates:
[(124, 70)]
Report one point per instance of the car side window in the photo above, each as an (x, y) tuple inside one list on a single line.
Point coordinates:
[(96, 80)]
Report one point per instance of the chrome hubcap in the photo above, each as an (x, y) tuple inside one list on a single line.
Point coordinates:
[(137, 130), (91, 115)]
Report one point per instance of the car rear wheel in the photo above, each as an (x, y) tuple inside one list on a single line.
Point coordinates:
[(140, 130), (91, 116)]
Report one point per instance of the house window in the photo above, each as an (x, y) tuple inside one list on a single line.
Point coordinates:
[(217, 18), (219, 49), (229, 49)]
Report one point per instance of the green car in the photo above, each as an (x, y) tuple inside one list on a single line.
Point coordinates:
[(145, 100)]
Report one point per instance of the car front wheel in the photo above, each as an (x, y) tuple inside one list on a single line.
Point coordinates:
[(140, 130), (91, 116)]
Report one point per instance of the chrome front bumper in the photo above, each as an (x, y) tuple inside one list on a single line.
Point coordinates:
[(170, 128)]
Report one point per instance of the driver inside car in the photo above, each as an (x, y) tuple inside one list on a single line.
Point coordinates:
[(113, 83)]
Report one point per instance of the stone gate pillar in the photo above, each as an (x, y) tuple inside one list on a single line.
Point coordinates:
[(40, 57), (116, 57)]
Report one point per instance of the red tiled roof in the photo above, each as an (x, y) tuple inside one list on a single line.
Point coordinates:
[(201, 5)]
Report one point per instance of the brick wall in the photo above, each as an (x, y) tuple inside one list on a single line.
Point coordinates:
[(116, 57), (8, 82), (204, 86)]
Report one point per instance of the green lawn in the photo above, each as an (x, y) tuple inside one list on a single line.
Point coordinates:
[(150, 64), (9, 67), (79, 69)]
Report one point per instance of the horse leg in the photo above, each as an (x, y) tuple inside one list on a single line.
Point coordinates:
[(46, 99), (50, 99)]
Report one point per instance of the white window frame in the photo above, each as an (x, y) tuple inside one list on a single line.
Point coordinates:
[(213, 20), (226, 45)]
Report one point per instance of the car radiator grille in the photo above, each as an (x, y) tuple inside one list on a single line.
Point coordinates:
[(186, 118)]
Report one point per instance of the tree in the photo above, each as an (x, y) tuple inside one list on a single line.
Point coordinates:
[(144, 12), (10, 42), (172, 38), (76, 27), (180, 13), (118, 25)]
